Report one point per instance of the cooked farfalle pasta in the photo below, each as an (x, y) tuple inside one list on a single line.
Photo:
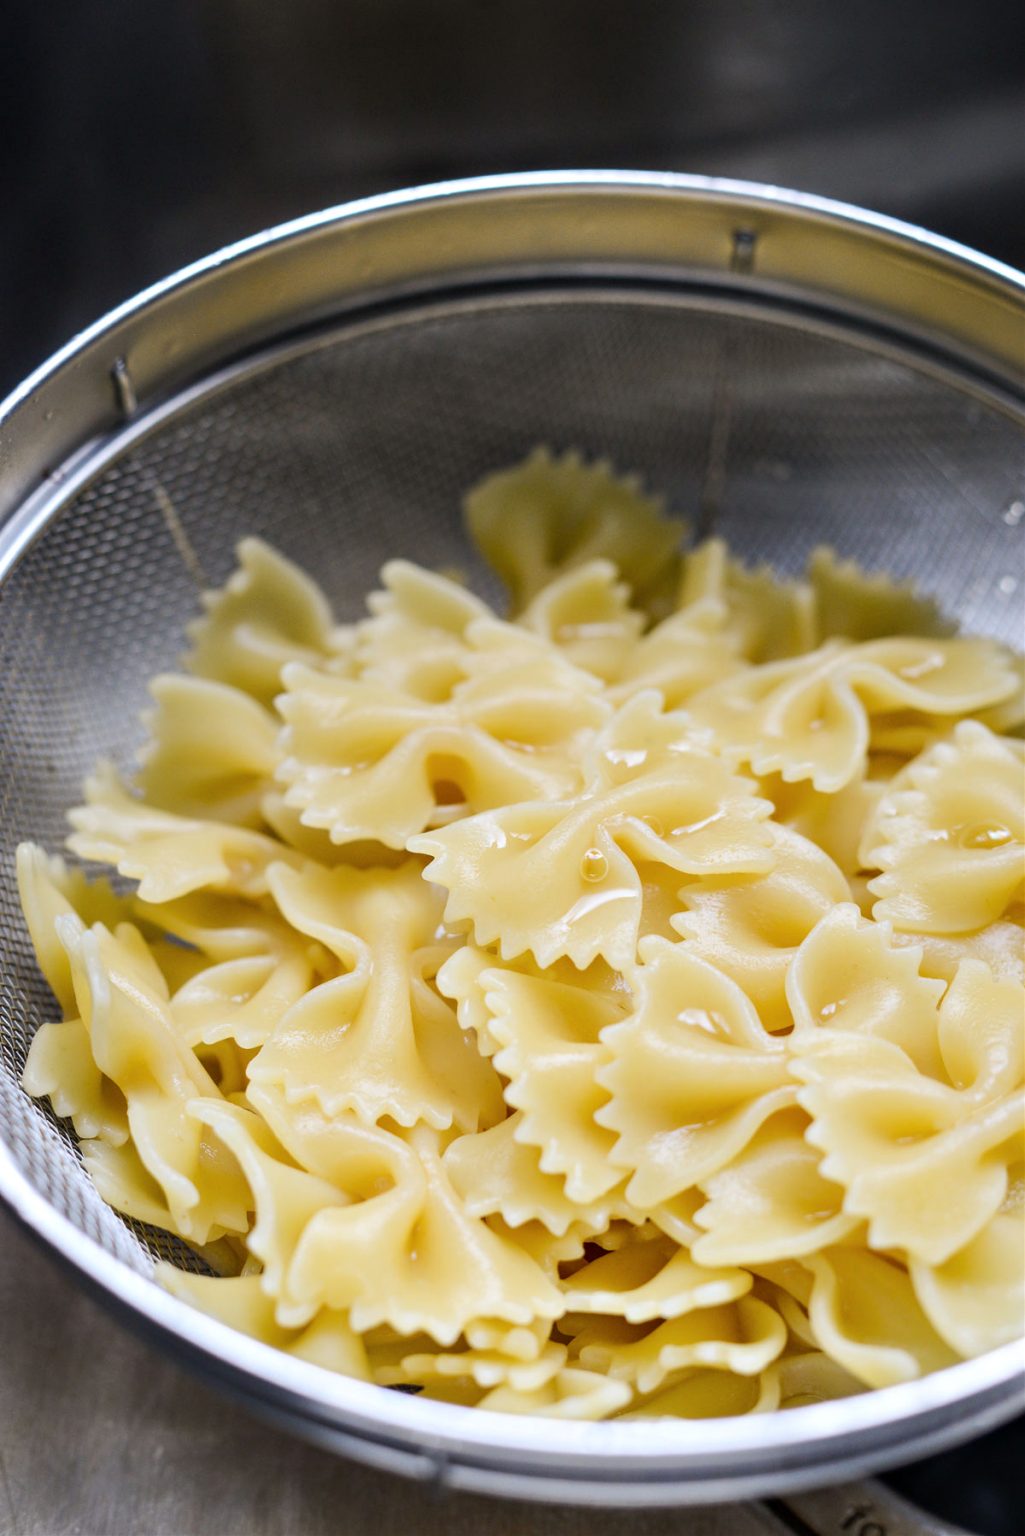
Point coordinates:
[(612, 1011)]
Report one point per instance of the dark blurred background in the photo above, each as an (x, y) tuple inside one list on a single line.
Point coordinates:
[(136, 135)]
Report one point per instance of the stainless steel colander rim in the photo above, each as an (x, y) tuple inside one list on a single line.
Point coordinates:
[(692, 1459), (112, 372), (607, 1449)]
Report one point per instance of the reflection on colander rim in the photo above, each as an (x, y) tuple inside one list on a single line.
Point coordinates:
[(783, 424)]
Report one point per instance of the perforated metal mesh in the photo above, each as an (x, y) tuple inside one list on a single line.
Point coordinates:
[(359, 447)]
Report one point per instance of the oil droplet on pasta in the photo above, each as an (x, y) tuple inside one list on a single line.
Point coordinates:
[(830, 1009), (916, 669), (594, 865), (705, 1018), (984, 834)]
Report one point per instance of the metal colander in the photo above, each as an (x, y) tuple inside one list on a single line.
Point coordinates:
[(786, 371)]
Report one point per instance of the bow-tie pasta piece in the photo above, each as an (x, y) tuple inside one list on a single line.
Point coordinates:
[(742, 1336), (123, 1182), (692, 1077), (981, 1033), (379, 1039), (710, 1394), (772, 1201), (514, 1342), (549, 1251), (497, 1172), (866, 1317), (548, 514), (918, 1118), (768, 618), (976, 1300), (856, 604), (225, 927), (649, 1279), (60, 1067), (750, 926), (285, 1199), (169, 855), (48, 889), (571, 1394), (409, 1256), (949, 836), (797, 1381), (241, 1000), (241, 1302), (362, 761), (415, 641), (211, 751), (811, 718), (1000, 946), (849, 977), (484, 1368), (684, 654), (548, 1030), (268, 613), (464, 979), (586, 613), (835, 823), (123, 1006), (568, 878), (641, 737), (315, 842), (905, 733), (921, 1163), (60, 1064)]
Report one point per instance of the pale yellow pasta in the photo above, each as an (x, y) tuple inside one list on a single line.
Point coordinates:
[(688, 1085), (615, 1010), (363, 762), (122, 1002), (772, 1201), (768, 618), (649, 1279), (863, 1309), (811, 718), (498, 1173), (548, 1032), (742, 1336), (567, 877), (571, 1394), (856, 604), (916, 1094), (169, 855), (548, 514), (377, 1039), (684, 654), (211, 753), (268, 613), (749, 925), (587, 614), (949, 836), (415, 641)]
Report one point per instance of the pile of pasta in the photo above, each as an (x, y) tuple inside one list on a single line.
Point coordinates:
[(612, 1010)]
